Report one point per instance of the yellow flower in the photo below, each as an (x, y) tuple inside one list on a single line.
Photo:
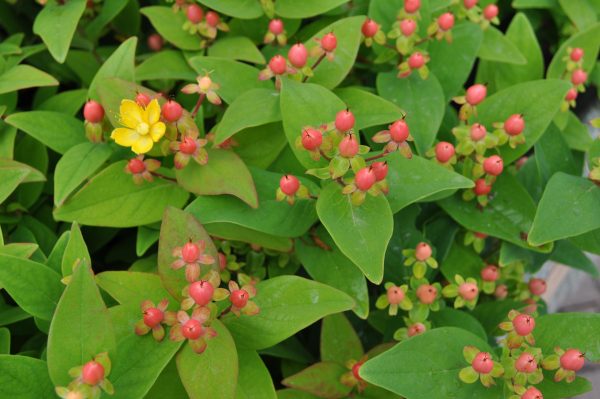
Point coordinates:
[(142, 126)]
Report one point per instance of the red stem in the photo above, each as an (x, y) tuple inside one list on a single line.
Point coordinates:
[(315, 65), (198, 104)]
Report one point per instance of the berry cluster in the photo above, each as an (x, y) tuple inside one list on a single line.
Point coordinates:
[(206, 24), (576, 74), (89, 380)]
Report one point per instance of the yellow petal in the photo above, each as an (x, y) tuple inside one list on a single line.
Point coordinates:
[(131, 114), (157, 131), (142, 145), (125, 137), (152, 112)]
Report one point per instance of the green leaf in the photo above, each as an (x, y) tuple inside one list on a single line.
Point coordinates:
[(168, 384), (535, 3), (417, 179), (589, 242), (321, 379), (463, 261), (23, 77), (235, 232), (559, 390), (339, 341), (566, 253), (306, 8), (166, 64), (361, 232), (245, 9), (423, 101), (132, 288), (146, 237), (415, 369), (33, 286), (110, 10), (491, 314), (575, 199), (120, 64), (294, 394), (449, 317), (578, 330), (254, 380), (67, 102), (71, 172), (496, 47), (169, 25), (54, 261), (552, 155), (576, 134), (260, 146), (586, 40), (581, 13), (75, 251), (23, 377), (56, 25), (19, 250), (287, 305), (4, 341), (253, 108), (48, 126), (112, 199), (13, 173), (369, 109), (225, 173), (81, 327), (214, 373), (237, 48)]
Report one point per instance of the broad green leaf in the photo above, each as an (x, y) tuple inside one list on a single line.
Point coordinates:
[(67, 102), (168, 384), (361, 232), (423, 101), (559, 390), (4, 341), (577, 330), (535, 3), (225, 173), (214, 373), (461, 261), (33, 286), (294, 394), (56, 130), (76, 251), (110, 10), (581, 13), (368, 108), (232, 231), (321, 379), (538, 101), (496, 47), (71, 172), (567, 253), (304, 9), (417, 179), (575, 199), (56, 25), (273, 217), (552, 155), (254, 380), (491, 314), (589, 242), (576, 134), (586, 40), (81, 327), (449, 317), (290, 349), (145, 238), (84, 65), (245, 9), (237, 48), (166, 64), (112, 199), (120, 64), (19, 250), (132, 288), (339, 341), (55, 257), (8, 135), (23, 377), (415, 369), (13, 173), (169, 25), (510, 253), (287, 305), (260, 146), (253, 108), (23, 77)]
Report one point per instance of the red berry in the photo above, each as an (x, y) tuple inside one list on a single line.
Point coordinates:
[(423, 251), (222, 261), (278, 65), (514, 125), (329, 42), (526, 363), (480, 235), (369, 28), (289, 184), (490, 273), (532, 393), (478, 132), (172, 111), (446, 21), (483, 363), (365, 178), (380, 169), (578, 77), (493, 165), (412, 6), (490, 12), (537, 286), (416, 329), (427, 294), (571, 94), (92, 373), (142, 99), (399, 131), (576, 54), (416, 60), (395, 295), (212, 18), (444, 151), (195, 13), (523, 324), (190, 252), (311, 139), (355, 370), (153, 317), (408, 26), (348, 146), (276, 26), (572, 360), (136, 166), (188, 145), (481, 187), (501, 291), (476, 94), (239, 298), (468, 291), (192, 329), (155, 42), (201, 292), (344, 120), (298, 55), (93, 112), (470, 3)]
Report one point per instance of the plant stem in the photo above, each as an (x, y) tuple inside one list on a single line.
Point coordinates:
[(160, 175), (374, 157), (316, 64), (198, 104)]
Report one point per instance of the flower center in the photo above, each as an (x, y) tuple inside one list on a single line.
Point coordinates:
[(143, 128)]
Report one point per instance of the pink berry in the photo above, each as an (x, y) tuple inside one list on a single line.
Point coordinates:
[(532, 393), (155, 42), (93, 112), (571, 95), (278, 65), (172, 111), (572, 360), (444, 151), (212, 19), (578, 77), (348, 146), (311, 139), (194, 13), (468, 291), (537, 286), (481, 187), (526, 363), (416, 329), (92, 373), (423, 251), (476, 94), (355, 370), (192, 329), (380, 169), (514, 125), (239, 298), (190, 252), (329, 42), (490, 12), (427, 294), (408, 26), (276, 26), (493, 165), (446, 21), (470, 3), (490, 273), (344, 120), (142, 99), (222, 261), (483, 363), (201, 292), (188, 145), (399, 131), (576, 54), (478, 132), (523, 324), (395, 295), (298, 55), (370, 28), (153, 317), (289, 184), (365, 178), (501, 291), (412, 6), (136, 166), (480, 235), (416, 60)]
